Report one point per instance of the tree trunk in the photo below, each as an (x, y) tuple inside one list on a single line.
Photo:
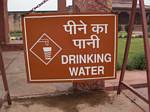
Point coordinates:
[(93, 6)]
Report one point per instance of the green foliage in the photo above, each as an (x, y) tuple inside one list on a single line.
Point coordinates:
[(138, 62), (16, 34), (119, 27), (118, 66), (126, 28), (122, 34), (136, 59), (149, 28)]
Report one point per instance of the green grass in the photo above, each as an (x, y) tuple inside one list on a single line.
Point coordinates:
[(136, 49), (122, 34)]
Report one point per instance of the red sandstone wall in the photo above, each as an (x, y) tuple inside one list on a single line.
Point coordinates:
[(94, 5)]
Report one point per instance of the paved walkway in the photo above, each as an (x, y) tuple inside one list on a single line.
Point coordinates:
[(15, 69), (83, 102)]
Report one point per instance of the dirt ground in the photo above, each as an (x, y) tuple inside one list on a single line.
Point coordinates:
[(74, 102)]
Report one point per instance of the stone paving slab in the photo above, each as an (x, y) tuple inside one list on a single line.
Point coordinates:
[(131, 77), (79, 102), (19, 87), (8, 57), (136, 100), (17, 81), (17, 64)]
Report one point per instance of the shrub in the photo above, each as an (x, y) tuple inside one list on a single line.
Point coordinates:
[(122, 34), (16, 34), (126, 28), (138, 62), (149, 28), (118, 67), (130, 66), (140, 36), (119, 28)]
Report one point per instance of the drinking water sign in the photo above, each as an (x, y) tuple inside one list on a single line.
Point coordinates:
[(70, 47)]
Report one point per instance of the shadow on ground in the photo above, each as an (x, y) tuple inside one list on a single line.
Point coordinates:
[(68, 103)]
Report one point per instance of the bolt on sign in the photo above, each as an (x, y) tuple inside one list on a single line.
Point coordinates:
[(70, 47)]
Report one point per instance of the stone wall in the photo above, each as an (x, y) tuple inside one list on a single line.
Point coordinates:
[(94, 5), (14, 22), (83, 6)]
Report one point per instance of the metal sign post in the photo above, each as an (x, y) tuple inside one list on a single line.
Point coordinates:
[(3, 36), (3, 22), (146, 49), (4, 79)]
